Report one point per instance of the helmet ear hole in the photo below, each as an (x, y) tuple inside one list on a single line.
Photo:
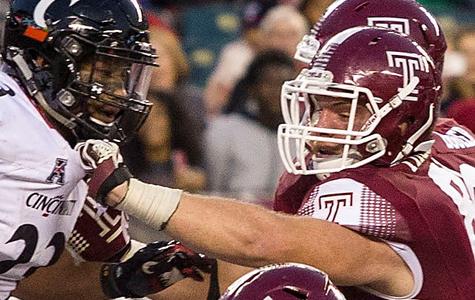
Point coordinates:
[(406, 124), (411, 120), (36, 58), (403, 128)]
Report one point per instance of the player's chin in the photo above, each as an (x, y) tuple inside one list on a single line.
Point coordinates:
[(106, 114), (106, 118)]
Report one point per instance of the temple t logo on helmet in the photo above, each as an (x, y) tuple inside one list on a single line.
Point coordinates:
[(408, 63), (404, 16), (398, 24), (87, 63)]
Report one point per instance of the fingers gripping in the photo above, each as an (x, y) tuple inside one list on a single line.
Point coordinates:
[(95, 152), (152, 269), (103, 161)]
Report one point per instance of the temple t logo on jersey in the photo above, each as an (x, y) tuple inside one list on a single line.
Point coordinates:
[(58, 173), (408, 63), (398, 24)]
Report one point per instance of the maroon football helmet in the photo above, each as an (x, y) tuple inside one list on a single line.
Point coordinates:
[(383, 81), (405, 16), (289, 281)]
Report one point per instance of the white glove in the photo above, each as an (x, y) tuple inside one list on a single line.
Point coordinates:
[(94, 152), (102, 160)]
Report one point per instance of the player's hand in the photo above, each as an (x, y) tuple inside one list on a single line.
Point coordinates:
[(102, 159), (95, 152), (152, 269)]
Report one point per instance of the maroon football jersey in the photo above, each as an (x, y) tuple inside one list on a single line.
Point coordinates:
[(100, 233), (424, 207), (291, 191)]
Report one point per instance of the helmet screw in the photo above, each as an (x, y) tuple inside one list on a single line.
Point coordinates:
[(72, 46), (66, 98)]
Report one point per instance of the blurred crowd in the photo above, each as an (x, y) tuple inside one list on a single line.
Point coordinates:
[(214, 130)]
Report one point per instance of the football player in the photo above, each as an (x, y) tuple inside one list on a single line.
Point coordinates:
[(391, 215), (71, 70), (405, 16)]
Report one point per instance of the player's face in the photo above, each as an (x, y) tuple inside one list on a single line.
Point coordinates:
[(111, 74), (334, 113)]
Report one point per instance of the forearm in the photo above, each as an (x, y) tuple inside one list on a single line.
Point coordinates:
[(232, 230), (249, 235), (225, 228)]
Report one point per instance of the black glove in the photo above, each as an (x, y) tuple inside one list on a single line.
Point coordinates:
[(103, 161), (152, 269)]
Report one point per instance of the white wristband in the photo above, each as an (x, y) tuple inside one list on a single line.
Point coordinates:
[(153, 204)]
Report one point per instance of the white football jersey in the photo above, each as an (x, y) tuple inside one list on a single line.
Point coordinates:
[(40, 184)]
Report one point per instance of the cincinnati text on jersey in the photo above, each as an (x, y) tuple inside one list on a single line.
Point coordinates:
[(56, 205)]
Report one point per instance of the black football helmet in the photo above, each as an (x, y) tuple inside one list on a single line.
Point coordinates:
[(75, 57)]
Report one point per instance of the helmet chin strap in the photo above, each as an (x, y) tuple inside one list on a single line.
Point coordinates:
[(397, 99), (395, 102), (409, 146), (30, 85)]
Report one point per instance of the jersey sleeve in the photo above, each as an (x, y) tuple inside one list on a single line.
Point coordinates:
[(354, 205), (100, 233)]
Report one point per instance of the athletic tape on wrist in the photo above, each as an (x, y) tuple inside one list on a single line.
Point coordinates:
[(153, 204)]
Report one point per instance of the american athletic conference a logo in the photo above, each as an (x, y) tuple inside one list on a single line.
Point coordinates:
[(58, 173), (409, 63)]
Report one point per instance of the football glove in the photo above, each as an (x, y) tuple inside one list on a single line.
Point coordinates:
[(102, 159), (152, 269)]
